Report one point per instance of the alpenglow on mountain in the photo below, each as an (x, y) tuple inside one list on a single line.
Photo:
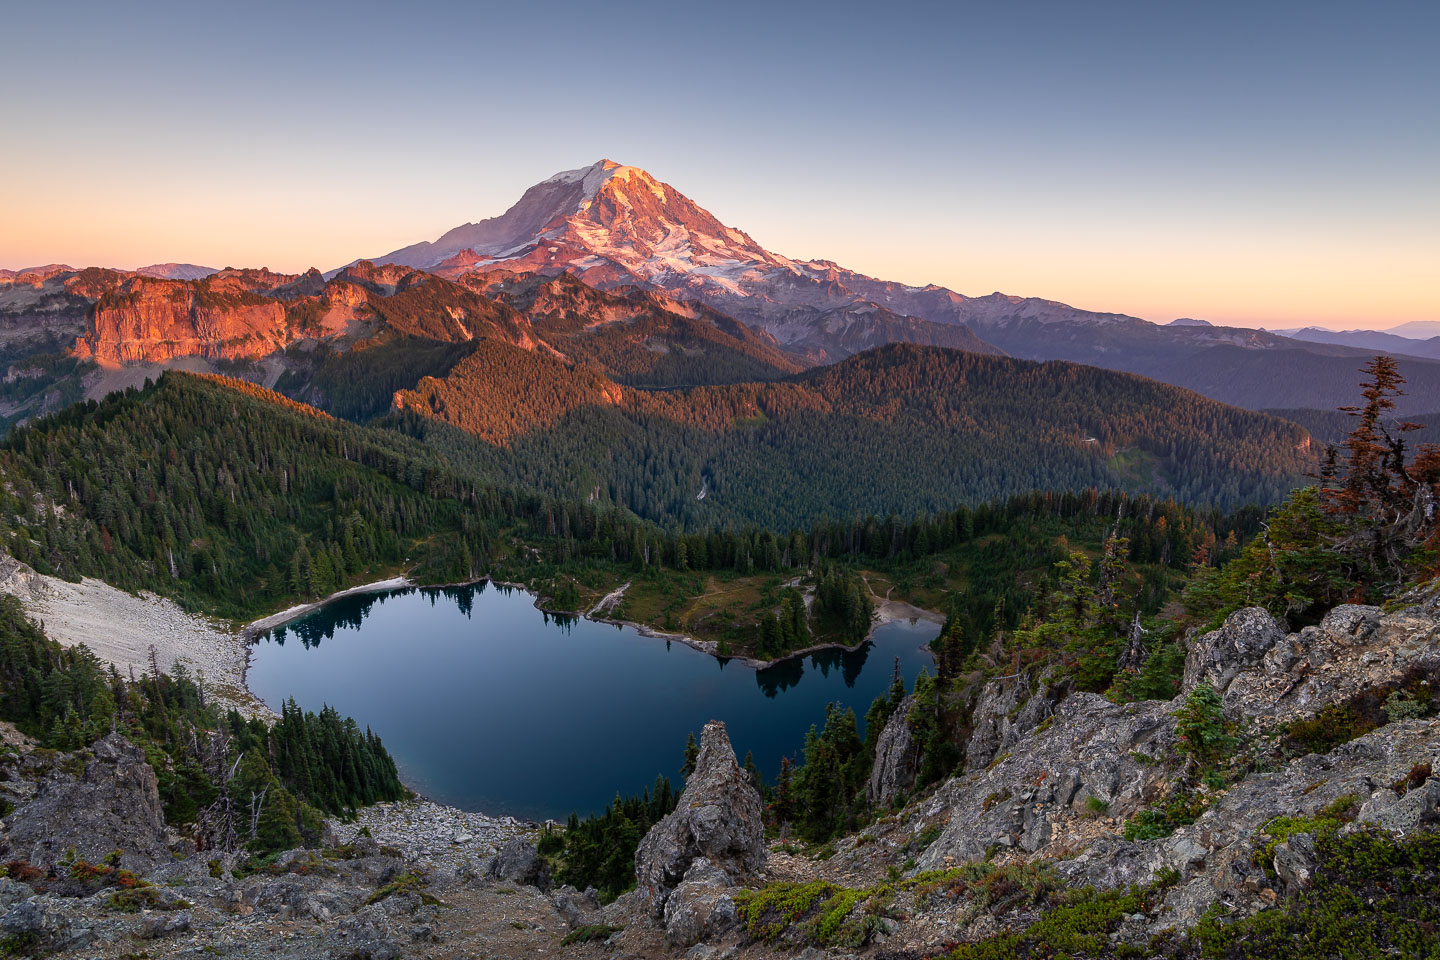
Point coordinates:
[(615, 226)]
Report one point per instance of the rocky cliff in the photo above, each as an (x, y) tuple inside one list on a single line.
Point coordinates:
[(149, 320), (1041, 793)]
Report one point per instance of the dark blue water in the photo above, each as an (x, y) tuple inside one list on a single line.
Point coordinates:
[(491, 705)]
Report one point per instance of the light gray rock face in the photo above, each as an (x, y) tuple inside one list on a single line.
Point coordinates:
[(897, 758), (1034, 797), (113, 805), (12, 892), (719, 817), (1266, 675), (1403, 815), (701, 907), (1243, 641), (1295, 863), (1093, 748), (1216, 855), (576, 908), (1006, 712)]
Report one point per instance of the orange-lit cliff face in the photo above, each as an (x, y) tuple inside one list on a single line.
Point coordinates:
[(145, 320), (120, 317)]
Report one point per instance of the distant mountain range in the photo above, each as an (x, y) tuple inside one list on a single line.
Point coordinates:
[(607, 337), (617, 226), (1376, 341)]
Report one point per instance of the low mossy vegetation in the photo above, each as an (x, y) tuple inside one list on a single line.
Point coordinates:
[(590, 932), (1323, 825), (1373, 897), (408, 882), (824, 914)]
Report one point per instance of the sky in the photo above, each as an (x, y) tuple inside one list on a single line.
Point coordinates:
[(1258, 164)]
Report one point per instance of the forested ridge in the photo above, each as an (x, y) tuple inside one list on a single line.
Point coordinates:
[(901, 428), (639, 337), (237, 501)]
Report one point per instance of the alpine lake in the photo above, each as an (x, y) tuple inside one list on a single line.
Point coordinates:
[(492, 705)]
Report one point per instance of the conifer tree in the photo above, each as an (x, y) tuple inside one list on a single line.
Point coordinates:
[(692, 754)]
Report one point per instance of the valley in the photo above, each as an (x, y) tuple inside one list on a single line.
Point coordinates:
[(1040, 631)]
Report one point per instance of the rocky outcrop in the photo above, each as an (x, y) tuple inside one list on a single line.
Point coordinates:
[(1028, 799), (113, 805), (1244, 640), (897, 758), (1267, 675), (21, 580), (1217, 855), (578, 909), (1099, 761), (1006, 711), (719, 817)]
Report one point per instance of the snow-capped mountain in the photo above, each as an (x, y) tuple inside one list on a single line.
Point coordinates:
[(614, 226)]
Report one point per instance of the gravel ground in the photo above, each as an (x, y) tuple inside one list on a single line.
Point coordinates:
[(441, 837)]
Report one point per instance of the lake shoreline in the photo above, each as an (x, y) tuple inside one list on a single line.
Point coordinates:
[(886, 611)]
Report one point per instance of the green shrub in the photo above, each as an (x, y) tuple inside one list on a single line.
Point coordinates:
[(407, 882), (1205, 735), (1373, 897), (589, 932), (1181, 808)]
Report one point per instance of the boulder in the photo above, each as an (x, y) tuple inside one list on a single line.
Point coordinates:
[(1295, 862), (701, 907), (113, 805), (1243, 641), (1403, 815), (39, 926), (576, 908), (519, 862), (12, 892), (719, 817)]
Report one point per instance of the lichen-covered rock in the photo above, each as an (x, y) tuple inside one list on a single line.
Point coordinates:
[(1403, 815), (40, 926), (1092, 748), (702, 907), (575, 908), (1271, 677), (1005, 713), (1295, 863), (897, 758), (113, 805), (1243, 641), (1216, 856), (991, 721), (719, 817)]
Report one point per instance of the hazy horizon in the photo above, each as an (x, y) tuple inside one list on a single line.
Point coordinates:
[(1153, 161)]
